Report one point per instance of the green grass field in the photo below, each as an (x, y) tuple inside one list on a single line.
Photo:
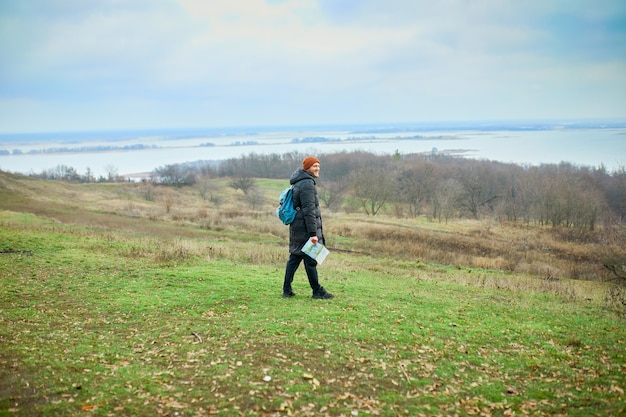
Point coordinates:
[(111, 306), (102, 323)]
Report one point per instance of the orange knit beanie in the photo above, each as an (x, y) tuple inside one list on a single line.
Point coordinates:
[(309, 161)]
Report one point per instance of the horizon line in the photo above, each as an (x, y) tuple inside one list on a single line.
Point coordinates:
[(571, 122)]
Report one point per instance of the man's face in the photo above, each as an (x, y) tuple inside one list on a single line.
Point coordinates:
[(314, 170)]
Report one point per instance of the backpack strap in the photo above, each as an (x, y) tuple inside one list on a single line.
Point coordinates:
[(297, 204)]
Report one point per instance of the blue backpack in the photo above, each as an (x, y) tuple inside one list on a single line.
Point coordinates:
[(286, 212)]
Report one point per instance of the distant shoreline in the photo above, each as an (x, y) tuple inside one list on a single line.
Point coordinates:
[(138, 152), (144, 147), (152, 134)]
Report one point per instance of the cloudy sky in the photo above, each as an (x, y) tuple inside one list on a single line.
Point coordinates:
[(111, 64)]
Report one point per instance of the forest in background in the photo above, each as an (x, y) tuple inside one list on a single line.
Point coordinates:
[(437, 186)]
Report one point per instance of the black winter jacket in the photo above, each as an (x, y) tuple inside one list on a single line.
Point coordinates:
[(308, 221)]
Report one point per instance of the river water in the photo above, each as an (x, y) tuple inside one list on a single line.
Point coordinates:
[(582, 146)]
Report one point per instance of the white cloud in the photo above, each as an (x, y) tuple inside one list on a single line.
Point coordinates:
[(193, 62)]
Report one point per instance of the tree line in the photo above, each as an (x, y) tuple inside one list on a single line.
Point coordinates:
[(437, 186), (440, 187)]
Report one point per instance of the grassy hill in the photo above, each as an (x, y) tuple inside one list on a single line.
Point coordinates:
[(131, 299)]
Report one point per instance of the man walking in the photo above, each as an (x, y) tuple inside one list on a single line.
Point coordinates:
[(306, 225)]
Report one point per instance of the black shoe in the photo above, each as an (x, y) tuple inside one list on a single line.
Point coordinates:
[(289, 294), (322, 294)]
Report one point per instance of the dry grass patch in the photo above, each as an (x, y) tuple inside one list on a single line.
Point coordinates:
[(530, 249), (479, 244)]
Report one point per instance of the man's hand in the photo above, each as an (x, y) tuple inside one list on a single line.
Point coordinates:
[(314, 240)]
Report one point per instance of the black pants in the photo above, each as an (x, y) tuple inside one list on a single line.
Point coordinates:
[(310, 266)]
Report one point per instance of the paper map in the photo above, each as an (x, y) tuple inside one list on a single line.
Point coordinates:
[(317, 252)]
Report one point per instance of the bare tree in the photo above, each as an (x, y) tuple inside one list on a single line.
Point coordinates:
[(254, 198), (244, 183), (477, 190), (445, 199), (210, 191), (416, 184), (332, 193), (175, 174), (89, 177), (519, 197), (373, 187), (112, 173)]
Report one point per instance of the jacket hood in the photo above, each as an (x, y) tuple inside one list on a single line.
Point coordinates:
[(299, 175)]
